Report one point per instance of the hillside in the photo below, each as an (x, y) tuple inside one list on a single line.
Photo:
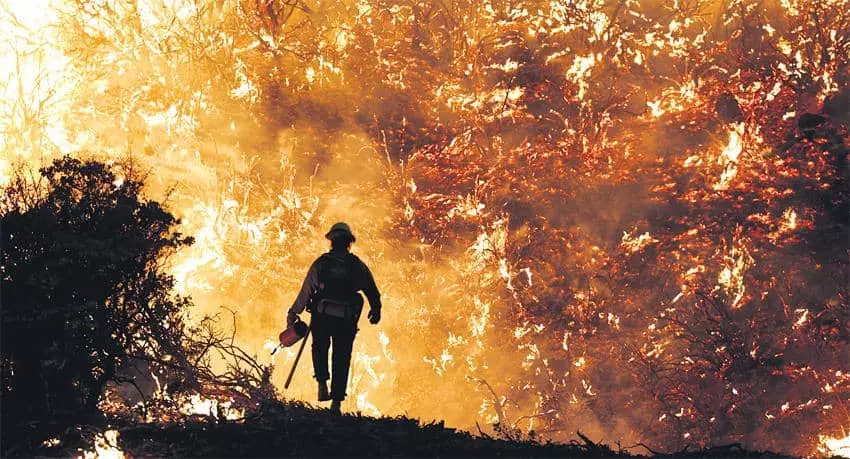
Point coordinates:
[(295, 430)]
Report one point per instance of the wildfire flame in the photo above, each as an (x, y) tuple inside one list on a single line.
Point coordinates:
[(632, 159), (105, 447), (197, 404), (835, 446)]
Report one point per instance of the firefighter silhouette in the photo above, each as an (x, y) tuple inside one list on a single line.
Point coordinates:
[(330, 292)]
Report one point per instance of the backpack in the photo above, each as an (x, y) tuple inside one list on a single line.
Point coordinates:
[(337, 294)]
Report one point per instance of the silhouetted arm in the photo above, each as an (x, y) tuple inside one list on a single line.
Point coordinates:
[(370, 289), (311, 283)]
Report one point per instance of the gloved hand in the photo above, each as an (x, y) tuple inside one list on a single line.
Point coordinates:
[(374, 316), (291, 318)]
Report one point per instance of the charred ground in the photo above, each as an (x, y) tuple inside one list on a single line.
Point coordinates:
[(292, 429)]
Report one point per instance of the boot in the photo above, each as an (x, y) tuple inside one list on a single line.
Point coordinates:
[(335, 407), (324, 394)]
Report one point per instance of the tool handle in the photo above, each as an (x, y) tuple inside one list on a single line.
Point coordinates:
[(297, 358)]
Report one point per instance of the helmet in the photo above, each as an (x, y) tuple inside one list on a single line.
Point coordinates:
[(340, 227)]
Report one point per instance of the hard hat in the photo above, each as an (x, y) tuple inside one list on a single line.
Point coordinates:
[(340, 227)]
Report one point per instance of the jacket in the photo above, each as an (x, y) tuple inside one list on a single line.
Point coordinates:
[(362, 281)]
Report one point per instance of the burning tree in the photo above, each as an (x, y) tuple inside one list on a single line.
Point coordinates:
[(580, 146)]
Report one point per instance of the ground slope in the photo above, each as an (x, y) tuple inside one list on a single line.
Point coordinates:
[(295, 430)]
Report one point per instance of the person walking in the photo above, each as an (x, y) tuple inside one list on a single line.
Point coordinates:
[(330, 292)]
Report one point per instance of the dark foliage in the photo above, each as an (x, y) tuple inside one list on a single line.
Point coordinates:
[(84, 294)]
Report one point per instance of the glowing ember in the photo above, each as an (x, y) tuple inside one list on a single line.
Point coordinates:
[(634, 244), (51, 442), (731, 277), (834, 445), (729, 156), (197, 404), (105, 447)]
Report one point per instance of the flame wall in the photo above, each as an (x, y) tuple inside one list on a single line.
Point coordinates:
[(583, 215)]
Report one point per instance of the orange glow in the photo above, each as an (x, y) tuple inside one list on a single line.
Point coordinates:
[(105, 447), (572, 208), (835, 446)]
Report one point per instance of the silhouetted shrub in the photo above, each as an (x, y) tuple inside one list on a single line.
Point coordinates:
[(83, 286)]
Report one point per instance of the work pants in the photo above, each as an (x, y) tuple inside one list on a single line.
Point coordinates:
[(339, 332)]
